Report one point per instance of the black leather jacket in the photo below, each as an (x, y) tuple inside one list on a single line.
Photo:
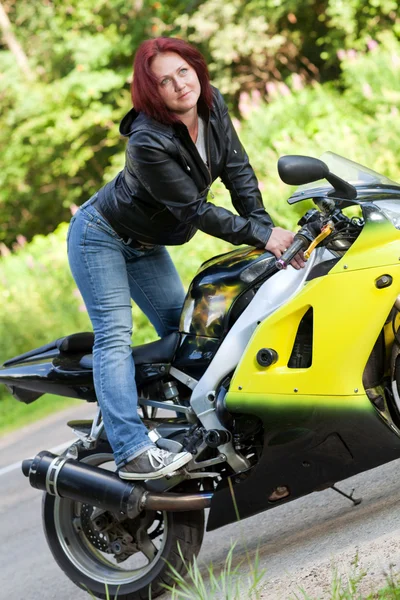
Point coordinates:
[(160, 197)]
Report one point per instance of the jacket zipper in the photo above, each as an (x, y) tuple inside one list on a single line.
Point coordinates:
[(209, 159), (208, 188)]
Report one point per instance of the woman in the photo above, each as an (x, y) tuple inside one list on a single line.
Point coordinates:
[(180, 140)]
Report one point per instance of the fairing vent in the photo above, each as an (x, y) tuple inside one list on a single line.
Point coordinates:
[(375, 367), (301, 357)]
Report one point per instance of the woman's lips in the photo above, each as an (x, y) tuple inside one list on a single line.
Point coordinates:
[(184, 95)]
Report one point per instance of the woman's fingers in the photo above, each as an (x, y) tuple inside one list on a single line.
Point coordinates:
[(298, 261), (279, 241)]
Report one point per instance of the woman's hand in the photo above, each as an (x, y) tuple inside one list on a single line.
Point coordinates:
[(279, 241)]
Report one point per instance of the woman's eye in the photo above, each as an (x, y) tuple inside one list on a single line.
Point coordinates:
[(165, 81), (184, 71)]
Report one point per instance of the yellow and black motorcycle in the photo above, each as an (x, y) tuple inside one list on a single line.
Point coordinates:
[(284, 382)]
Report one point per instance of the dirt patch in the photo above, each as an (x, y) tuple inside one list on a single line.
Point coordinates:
[(369, 565)]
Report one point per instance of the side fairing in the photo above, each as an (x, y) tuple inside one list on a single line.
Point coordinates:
[(349, 311), (320, 424), (274, 292)]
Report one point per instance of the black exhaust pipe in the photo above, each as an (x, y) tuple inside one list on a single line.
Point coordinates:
[(68, 478)]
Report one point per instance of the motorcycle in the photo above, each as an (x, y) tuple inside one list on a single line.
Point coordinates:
[(280, 382)]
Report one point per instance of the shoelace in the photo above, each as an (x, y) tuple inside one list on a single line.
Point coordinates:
[(157, 456)]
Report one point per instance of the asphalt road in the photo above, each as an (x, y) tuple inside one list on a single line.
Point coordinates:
[(291, 540)]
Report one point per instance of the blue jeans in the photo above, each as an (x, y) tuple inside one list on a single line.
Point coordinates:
[(108, 274)]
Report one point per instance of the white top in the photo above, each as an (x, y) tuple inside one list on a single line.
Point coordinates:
[(201, 140)]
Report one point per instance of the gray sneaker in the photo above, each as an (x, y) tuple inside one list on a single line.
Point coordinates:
[(154, 463)]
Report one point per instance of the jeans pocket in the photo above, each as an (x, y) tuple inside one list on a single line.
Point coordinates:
[(101, 223)]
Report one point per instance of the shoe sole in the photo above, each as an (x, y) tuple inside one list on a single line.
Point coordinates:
[(171, 468)]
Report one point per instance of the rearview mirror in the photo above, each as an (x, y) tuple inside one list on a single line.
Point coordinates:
[(299, 170)]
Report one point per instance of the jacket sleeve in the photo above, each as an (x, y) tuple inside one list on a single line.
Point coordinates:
[(159, 171), (238, 175)]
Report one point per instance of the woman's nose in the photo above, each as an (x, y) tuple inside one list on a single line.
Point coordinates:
[(178, 85)]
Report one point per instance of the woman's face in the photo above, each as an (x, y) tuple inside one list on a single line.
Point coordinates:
[(178, 83)]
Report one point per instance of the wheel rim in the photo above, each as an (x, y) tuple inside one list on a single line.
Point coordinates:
[(91, 561)]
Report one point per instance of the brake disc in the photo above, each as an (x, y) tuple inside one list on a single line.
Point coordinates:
[(98, 539)]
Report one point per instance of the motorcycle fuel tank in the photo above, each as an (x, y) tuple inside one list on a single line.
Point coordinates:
[(219, 286), (221, 290)]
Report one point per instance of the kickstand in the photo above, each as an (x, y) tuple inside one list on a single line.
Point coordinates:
[(355, 501)]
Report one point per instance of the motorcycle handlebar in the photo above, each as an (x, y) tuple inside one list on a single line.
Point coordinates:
[(300, 243)]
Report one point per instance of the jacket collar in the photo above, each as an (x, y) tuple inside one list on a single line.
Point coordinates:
[(135, 121)]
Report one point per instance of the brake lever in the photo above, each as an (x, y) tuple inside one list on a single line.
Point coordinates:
[(325, 231)]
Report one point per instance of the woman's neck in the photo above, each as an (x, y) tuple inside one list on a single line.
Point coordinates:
[(191, 120)]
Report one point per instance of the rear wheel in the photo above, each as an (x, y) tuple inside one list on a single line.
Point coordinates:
[(132, 556)]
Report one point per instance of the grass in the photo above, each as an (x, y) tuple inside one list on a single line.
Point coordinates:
[(228, 584), (342, 587), (15, 414), (347, 588), (231, 584), (390, 592)]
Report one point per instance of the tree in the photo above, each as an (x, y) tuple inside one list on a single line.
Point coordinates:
[(13, 44)]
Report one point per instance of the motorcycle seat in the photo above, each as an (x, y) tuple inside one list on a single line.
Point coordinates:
[(74, 343), (161, 351)]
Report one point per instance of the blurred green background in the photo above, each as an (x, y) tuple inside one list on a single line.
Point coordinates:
[(300, 76)]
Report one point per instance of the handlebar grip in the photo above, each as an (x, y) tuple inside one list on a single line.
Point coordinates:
[(300, 243)]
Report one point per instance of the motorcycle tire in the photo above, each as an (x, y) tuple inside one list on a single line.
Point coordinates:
[(80, 551)]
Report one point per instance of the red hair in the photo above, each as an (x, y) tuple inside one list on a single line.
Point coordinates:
[(144, 89)]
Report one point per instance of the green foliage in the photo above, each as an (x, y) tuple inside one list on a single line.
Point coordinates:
[(362, 123), (237, 39), (15, 414), (372, 80), (58, 133), (38, 298), (250, 44)]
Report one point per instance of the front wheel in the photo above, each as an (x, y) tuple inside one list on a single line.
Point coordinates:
[(130, 558)]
